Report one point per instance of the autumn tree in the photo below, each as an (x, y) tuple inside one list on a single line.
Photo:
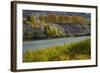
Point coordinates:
[(67, 19), (60, 19), (78, 19), (42, 18), (51, 18)]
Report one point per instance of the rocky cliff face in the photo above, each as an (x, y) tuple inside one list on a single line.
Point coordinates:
[(55, 31), (76, 29)]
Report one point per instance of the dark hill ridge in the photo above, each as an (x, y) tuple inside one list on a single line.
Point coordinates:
[(44, 13)]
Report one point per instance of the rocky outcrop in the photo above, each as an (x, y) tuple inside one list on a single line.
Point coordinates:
[(76, 29), (54, 31)]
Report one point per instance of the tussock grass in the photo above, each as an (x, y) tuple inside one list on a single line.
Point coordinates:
[(72, 51)]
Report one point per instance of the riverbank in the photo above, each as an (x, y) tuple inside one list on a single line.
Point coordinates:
[(80, 50), (36, 44)]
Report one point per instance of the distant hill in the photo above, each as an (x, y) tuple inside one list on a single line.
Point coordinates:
[(44, 13)]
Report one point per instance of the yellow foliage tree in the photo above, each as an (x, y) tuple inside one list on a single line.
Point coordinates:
[(51, 18), (78, 19)]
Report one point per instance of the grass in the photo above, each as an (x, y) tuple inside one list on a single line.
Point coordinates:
[(72, 51)]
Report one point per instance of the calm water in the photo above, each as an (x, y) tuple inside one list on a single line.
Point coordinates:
[(47, 43)]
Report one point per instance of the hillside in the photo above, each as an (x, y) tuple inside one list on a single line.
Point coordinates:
[(43, 25)]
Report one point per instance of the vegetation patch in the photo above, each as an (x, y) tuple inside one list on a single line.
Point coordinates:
[(72, 51)]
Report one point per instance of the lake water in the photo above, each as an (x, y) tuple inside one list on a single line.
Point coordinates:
[(36, 44)]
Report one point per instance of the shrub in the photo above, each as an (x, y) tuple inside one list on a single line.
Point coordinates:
[(72, 51)]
